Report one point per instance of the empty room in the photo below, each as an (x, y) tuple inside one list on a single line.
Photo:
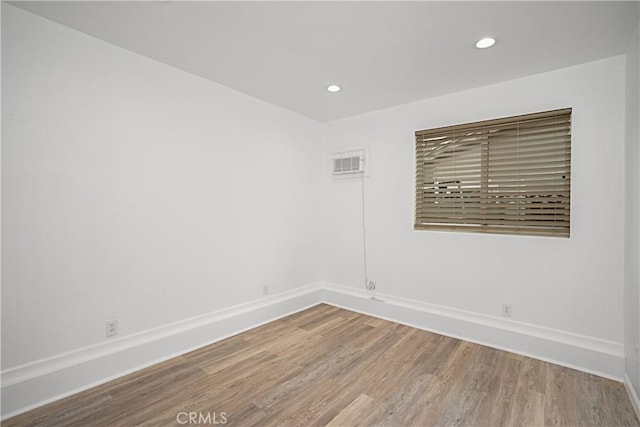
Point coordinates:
[(320, 213)]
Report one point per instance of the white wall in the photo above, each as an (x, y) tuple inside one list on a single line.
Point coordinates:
[(572, 285), (137, 191), (632, 216)]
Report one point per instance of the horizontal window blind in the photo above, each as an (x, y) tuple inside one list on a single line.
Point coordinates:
[(508, 176)]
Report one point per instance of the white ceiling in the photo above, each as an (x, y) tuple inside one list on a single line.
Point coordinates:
[(382, 53)]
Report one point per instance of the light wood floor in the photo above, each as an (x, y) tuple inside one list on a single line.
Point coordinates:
[(328, 366)]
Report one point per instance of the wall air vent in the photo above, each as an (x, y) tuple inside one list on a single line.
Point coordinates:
[(349, 162)]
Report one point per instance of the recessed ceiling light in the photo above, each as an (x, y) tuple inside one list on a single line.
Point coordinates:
[(334, 88), (485, 42)]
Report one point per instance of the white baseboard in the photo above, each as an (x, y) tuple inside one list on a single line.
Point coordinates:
[(631, 391), (584, 353), (34, 384)]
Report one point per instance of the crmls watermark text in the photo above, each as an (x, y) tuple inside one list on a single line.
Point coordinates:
[(201, 417)]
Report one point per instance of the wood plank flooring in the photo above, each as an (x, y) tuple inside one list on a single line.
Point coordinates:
[(328, 366)]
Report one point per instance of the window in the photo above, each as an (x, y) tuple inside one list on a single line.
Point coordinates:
[(507, 176)]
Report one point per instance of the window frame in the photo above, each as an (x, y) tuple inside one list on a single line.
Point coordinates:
[(534, 199)]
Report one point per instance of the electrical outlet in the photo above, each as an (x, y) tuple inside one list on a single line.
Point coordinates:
[(371, 285), (265, 290), (506, 310), (112, 328)]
